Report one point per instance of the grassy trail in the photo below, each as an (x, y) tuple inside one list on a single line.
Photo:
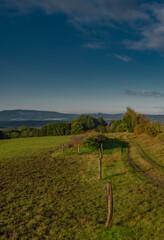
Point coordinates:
[(59, 196), (141, 160)]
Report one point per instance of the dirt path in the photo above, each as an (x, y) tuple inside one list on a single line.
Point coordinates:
[(141, 161), (147, 157)]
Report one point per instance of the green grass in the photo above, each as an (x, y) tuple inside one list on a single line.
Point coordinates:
[(29, 146), (153, 148), (58, 196)]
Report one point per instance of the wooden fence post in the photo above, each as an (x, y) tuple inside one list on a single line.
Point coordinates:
[(62, 147), (101, 147), (100, 162), (110, 203)]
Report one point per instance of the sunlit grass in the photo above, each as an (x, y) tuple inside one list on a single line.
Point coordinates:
[(29, 146), (59, 196)]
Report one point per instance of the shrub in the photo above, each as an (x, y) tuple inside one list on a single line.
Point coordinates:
[(120, 128), (75, 140), (11, 133), (152, 128), (114, 125), (95, 141), (102, 129), (15, 134), (139, 129)]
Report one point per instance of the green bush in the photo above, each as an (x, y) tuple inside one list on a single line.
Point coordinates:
[(152, 128), (113, 126), (120, 128), (95, 141)]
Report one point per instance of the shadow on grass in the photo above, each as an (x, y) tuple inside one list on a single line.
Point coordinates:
[(111, 143), (93, 144)]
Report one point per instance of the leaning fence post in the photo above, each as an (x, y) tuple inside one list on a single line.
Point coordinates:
[(110, 203)]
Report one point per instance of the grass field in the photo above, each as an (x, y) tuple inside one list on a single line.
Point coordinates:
[(29, 146), (45, 194)]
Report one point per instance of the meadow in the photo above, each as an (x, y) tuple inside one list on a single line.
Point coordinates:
[(29, 146), (47, 194)]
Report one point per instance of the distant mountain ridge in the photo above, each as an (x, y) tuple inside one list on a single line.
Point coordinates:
[(33, 115), (17, 115), (36, 118)]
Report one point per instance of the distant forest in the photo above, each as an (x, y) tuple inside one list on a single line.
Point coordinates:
[(14, 119), (130, 122), (80, 125)]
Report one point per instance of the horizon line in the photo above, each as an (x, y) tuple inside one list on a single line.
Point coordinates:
[(78, 113)]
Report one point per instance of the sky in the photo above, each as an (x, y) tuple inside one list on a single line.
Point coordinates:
[(82, 56)]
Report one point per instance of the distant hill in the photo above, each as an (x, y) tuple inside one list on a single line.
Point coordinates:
[(34, 118), (24, 115), (33, 115), (159, 118)]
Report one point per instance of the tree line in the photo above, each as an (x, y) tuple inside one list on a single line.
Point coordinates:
[(135, 123), (80, 125), (130, 122)]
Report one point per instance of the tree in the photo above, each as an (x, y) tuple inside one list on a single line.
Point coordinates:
[(86, 122), (50, 129), (113, 126), (25, 132), (101, 122), (130, 119), (77, 128), (152, 128), (43, 131), (14, 134)]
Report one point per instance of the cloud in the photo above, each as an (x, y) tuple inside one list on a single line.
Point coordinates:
[(151, 34), (161, 109), (144, 93), (123, 58), (120, 57), (83, 10), (152, 39), (130, 92), (94, 45), (88, 16), (144, 21)]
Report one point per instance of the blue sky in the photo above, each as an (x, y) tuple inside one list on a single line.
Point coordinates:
[(82, 55)]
